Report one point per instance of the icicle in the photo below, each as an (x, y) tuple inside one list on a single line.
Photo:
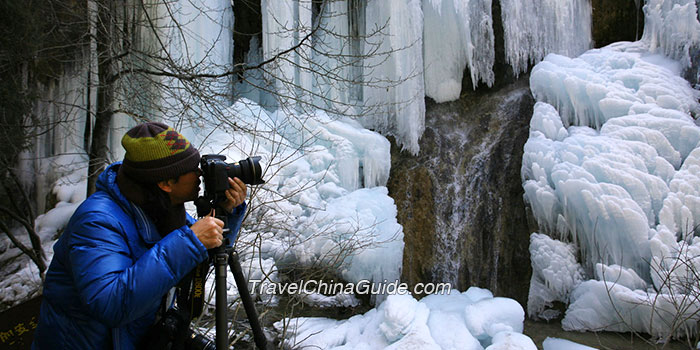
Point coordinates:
[(532, 29), (396, 88), (672, 28), (457, 35)]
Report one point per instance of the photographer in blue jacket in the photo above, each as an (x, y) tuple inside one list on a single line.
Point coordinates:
[(129, 244)]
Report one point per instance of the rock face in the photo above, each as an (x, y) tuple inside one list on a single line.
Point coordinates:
[(461, 200), (616, 20)]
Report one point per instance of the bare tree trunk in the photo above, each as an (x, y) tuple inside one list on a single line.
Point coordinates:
[(98, 149)]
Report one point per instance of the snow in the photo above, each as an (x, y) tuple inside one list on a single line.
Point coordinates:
[(610, 171), (21, 279), (473, 319)]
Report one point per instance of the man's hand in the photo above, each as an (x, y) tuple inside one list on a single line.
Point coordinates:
[(210, 231), (235, 195)]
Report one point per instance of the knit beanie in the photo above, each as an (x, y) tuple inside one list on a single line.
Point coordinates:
[(156, 152)]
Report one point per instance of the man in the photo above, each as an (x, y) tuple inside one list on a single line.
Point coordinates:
[(129, 243)]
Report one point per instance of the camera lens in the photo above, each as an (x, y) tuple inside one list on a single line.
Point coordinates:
[(198, 342), (248, 170)]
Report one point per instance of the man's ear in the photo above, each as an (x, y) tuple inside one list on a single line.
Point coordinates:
[(165, 186)]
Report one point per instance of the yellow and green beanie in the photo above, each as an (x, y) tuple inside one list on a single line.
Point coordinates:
[(156, 152)]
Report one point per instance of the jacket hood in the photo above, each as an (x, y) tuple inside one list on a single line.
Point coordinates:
[(107, 182)]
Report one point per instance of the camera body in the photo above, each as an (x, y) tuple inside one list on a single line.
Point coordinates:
[(172, 332), (215, 172)]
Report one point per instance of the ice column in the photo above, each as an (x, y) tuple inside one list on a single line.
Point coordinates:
[(286, 25), (332, 58), (394, 89), (456, 34), (200, 37), (206, 32), (532, 29)]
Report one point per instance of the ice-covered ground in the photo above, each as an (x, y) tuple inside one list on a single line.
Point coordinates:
[(472, 320), (612, 168)]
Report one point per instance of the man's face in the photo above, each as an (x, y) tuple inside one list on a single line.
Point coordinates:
[(185, 189)]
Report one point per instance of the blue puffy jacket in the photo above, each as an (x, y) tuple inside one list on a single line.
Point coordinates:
[(110, 271)]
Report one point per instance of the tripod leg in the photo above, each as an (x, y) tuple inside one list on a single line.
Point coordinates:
[(248, 304), (220, 258)]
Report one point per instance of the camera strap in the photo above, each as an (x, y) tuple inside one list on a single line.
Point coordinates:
[(191, 290)]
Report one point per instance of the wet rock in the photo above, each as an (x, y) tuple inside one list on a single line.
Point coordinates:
[(461, 200)]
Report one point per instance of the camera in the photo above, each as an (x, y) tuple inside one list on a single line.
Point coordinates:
[(216, 173), (173, 332)]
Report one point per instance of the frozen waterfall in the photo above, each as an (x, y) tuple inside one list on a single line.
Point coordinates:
[(456, 35), (532, 29)]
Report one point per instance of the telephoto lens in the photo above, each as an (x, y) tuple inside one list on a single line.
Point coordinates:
[(248, 170)]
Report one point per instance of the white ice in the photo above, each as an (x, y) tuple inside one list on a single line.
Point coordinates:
[(456, 35), (396, 86), (286, 25), (384, 58), (325, 201), (472, 320), (611, 167), (672, 28), (610, 82), (555, 273), (563, 344), (600, 305), (533, 29)]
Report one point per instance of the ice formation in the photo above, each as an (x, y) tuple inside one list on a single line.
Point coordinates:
[(287, 24), (456, 35), (563, 344), (672, 28), (612, 166), (555, 273), (198, 31), (197, 34), (324, 203), (599, 85), (472, 320), (378, 60), (597, 305), (396, 85), (364, 61), (533, 29)]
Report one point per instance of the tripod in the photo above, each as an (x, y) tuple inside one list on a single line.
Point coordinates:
[(223, 256)]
